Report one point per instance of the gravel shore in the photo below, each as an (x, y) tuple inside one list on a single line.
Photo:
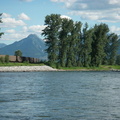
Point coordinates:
[(26, 68), (39, 68)]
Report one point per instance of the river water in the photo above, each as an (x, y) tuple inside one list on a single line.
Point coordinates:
[(60, 96)]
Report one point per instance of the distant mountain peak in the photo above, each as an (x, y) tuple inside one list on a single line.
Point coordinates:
[(33, 36), (31, 46)]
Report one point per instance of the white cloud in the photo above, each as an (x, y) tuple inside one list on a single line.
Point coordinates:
[(106, 16), (114, 1), (68, 3), (88, 15), (12, 35), (11, 22), (23, 16), (99, 10), (34, 29), (5, 15), (10, 31), (64, 16), (115, 29), (15, 29)]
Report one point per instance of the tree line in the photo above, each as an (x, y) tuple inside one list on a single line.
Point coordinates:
[(71, 43)]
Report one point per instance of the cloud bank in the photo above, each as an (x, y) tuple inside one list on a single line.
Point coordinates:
[(16, 28), (99, 10)]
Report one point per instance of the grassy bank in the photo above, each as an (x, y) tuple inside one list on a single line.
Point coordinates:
[(101, 68), (21, 64)]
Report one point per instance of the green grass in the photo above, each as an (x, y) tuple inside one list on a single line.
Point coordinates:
[(112, 67), (21, 64), (101, 68)]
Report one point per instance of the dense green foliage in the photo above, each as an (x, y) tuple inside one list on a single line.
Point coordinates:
[(70, 44), (111, 49), (51, 32), (18, 53), (118, 60), (4, 59)]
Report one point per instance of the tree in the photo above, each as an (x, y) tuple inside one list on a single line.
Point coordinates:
[(70, 44), (76, 36), (2, 60), (7, 58), (118, 60), (51, 33), (63, 36), (1, 22), (98, 44), (18, 53), (111, 48), (86, 46)]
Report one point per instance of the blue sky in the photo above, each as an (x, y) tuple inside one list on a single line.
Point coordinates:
[(23, 17)]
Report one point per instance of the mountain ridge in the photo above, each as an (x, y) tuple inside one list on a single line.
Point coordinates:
[(31, 46), (2, 45)]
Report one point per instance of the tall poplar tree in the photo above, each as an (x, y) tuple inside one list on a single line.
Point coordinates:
[(70, 44), (77, 42), (111, 48), (98, 44), (51, 33), (63, 36), (86, 45)]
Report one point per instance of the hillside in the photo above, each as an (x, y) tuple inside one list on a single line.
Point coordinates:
[(2, 45), (32, 46)]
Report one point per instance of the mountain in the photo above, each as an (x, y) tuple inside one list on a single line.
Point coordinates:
[(32, 46), (2, 45)]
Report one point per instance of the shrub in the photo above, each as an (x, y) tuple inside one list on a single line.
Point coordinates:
[(2, 59), (7, 59)]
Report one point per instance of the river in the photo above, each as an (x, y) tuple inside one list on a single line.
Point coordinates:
[(60, 95)]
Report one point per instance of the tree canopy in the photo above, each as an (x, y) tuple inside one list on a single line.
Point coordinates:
[(72, 44), (18, 53)]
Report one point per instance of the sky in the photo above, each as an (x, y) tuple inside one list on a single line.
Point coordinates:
[(23, 17)]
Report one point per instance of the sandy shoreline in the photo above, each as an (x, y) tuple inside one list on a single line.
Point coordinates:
[(26, 68)]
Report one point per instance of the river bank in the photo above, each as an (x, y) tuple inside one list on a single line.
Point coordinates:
[(26, 68), (45, 68)]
